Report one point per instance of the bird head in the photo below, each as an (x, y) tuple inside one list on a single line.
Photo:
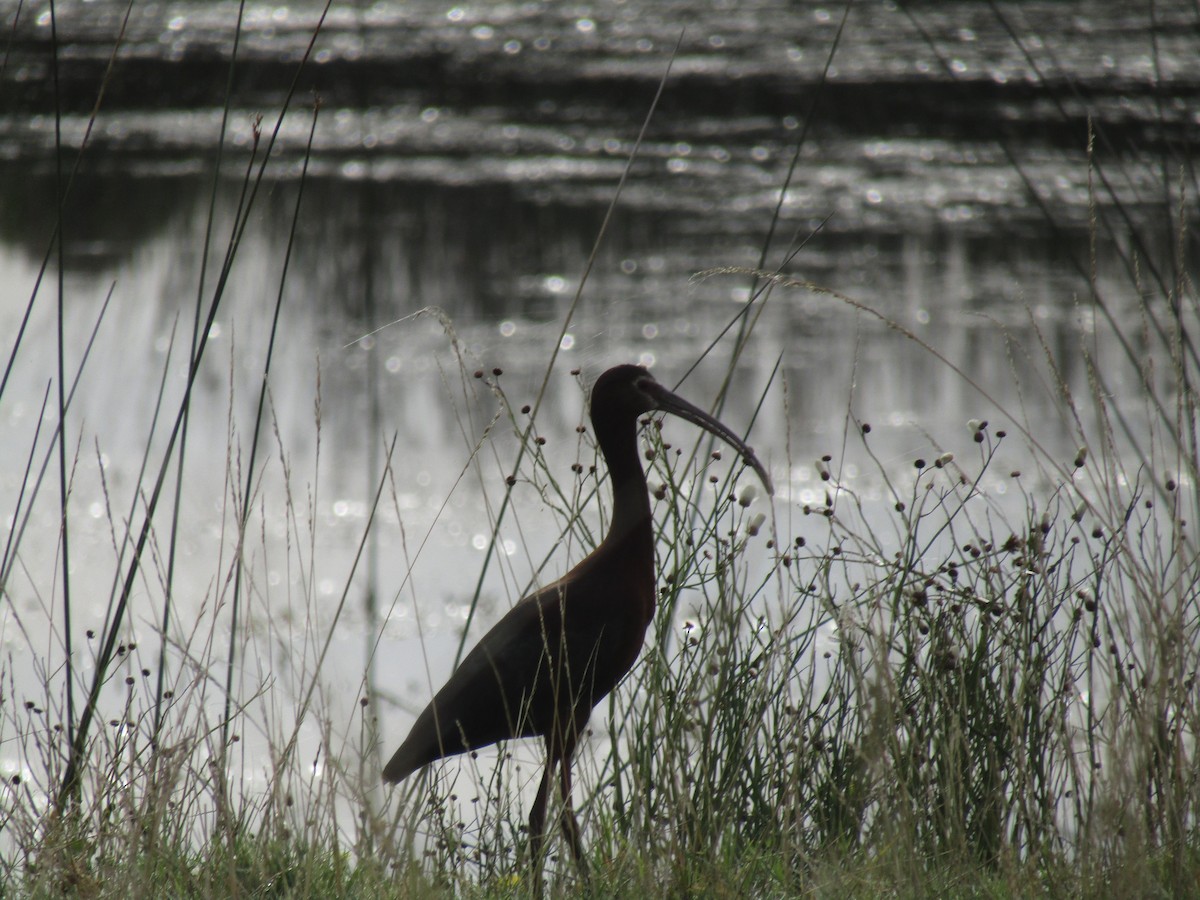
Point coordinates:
[(628, 391)]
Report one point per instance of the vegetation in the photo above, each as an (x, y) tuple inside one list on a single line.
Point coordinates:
[(976, 680)]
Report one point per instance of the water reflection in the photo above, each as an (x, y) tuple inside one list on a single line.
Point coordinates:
[(504, 269)]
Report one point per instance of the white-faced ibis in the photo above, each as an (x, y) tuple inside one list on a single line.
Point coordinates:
[(559, 651)]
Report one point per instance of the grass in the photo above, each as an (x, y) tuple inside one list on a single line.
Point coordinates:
[(973, 677)]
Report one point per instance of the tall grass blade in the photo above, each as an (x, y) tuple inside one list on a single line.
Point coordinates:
[(181, 465), (251, 468)]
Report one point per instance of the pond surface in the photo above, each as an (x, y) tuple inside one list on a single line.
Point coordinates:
[(463, 160)]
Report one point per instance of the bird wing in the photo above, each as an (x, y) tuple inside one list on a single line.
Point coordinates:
[(490, 696)]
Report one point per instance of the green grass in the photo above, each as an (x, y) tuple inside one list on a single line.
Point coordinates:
[(948, 691)]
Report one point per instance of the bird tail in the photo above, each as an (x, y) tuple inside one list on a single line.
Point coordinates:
[(404, 762)]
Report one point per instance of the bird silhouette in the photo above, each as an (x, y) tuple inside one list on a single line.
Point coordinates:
[(551, 658)]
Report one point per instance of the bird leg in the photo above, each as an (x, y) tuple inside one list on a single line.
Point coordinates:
[(555, 754), (537, 815), (570, 826)]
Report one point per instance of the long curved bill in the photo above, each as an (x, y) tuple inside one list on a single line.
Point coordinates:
[(673, 403)]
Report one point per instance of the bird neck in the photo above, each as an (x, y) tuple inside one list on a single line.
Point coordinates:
[(629, 544), (631, 502)]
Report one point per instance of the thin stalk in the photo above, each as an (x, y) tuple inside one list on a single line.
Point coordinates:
[(254, 441), (16, 515), (375, 417), (63, 490), (302, 712), (199, 308), (64, 193), (141, 475), (10, 556), (755, 290), (12, 36)]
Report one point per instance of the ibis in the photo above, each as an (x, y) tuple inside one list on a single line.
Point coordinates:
[(551, 658)]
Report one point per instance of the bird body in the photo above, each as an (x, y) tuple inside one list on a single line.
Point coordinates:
[(551, 658)]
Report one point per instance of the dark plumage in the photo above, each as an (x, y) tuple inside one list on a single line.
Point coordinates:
[(559, 651)]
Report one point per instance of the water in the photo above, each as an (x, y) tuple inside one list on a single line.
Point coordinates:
[(463, 159)]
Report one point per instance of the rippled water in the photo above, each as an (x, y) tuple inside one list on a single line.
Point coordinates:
[(463, 158)]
